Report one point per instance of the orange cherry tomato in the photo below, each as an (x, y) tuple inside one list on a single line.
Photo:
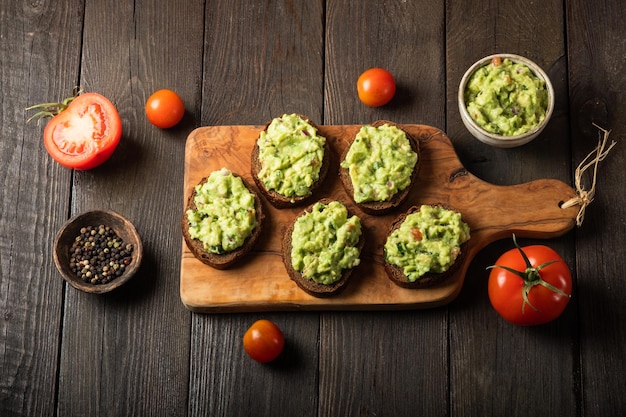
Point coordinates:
[(263, 341), (165, 109), (376, 87)]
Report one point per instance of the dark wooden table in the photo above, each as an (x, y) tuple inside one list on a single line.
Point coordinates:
[(140, 352)]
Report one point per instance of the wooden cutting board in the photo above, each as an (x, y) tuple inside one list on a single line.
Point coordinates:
[(260, 282)]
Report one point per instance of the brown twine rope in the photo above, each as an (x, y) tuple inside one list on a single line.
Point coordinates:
[(584, 198)]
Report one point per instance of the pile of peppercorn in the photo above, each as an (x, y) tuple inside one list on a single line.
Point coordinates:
[(98, 255)]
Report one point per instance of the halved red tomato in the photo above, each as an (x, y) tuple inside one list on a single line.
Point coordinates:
[(83, 132)]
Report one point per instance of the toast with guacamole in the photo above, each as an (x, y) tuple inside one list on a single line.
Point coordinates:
[(223, 219), (379, 167), (290, 160), (425, 246), (322, 247)]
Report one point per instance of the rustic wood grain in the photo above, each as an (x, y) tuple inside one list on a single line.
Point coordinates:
[(390, 376), (262, 283), (139, 332), (506, 363), (260, 59), (596, 80), (38, 45), (139, 351)]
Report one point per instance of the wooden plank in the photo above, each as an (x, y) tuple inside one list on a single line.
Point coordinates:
[(126, 353), (597, 83), (386, 362), (404, 37), (259, 59), (530, 209), (502, 362), (38, 46)]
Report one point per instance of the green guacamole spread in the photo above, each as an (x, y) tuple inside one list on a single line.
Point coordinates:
[(225, 214), (428, 240), (506, 98), (291, 154), (324, 242), (380, 162)]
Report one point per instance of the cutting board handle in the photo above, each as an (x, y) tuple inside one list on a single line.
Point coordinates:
[(532, 209)]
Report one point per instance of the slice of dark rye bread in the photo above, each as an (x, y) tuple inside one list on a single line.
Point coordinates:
[(226, 260), (278, 200), (382, 207), (308, 285), (396, 274)]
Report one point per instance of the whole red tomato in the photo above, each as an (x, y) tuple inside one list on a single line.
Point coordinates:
[(530, 285), (165, 109), (263, 341), (376, 87), (83, 131)]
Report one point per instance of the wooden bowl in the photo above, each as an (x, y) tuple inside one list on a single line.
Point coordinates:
[(71, 229)]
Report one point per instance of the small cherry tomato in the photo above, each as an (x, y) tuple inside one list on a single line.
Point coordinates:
[(83, 131), (530, 285), (165, 109), (263, 341), (376, 87)]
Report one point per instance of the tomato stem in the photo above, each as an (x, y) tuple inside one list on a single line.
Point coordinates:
[(52, 109), (531, 276)]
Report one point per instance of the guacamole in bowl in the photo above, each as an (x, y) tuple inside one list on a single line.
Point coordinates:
[(505, 100)]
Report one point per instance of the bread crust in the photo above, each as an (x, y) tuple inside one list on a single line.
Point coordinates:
[(396, 274), (226, 260), (308, 285), (382, 207), (278, 200)]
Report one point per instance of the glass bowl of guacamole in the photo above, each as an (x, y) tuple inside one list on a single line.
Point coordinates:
[(505, 100)]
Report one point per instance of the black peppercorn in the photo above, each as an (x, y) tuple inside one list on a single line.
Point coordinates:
[(98, 255)]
